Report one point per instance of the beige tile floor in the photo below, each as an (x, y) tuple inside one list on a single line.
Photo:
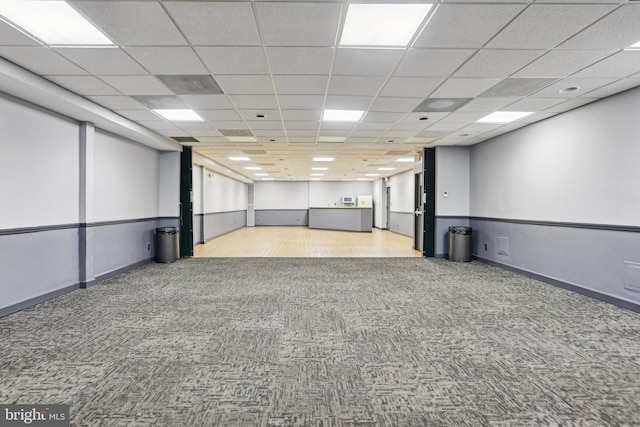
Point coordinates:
[(307, 243)]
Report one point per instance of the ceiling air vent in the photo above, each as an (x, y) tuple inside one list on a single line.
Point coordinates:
[(235, 132), (440, 104), (185, 139), (191, 85)]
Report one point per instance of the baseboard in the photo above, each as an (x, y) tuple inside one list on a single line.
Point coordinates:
[(37, 300), (564, 285), (112, 273)]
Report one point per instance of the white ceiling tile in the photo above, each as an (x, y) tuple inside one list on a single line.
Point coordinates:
[(103, 61), (532, 104), (172, 132), (157, 124), (138, 114), (216, 23), (298, 24), (265, 124), (252, 84), (295, 133), (168, 60), (194, 125), (84, 85), (562, 62), (301, 115), (9, 36), (431, 117), (300, 84), (570, 105), (137, 85), (618, 30), (390, 104), (374, 125), (486, 104), (366, 62), (410, 86), (133, 23), (382, 117), (219, 115), (304, 102), (228, 124), (497, 62), (366, 133), (234, 60), (464, 87), (545, 26), (479, 21), (259, 102), (207, 102), (118, 102), (613, 88), (432, 62), (41, 60), (300, 60), (585, 85), (344, 102), (444, 127), (355, 85), (462, 117), (268, 114), (203, 133), (622, 64)]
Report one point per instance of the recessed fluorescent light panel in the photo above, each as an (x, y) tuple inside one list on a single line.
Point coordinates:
[(501, 117), (323, 159), (386, 169), (389, 25), (253, 168), (373, 174), (342, 115), (239, 158), (405, 160), (634, 46), (267, 179), (317, 174), (332, 139), (261, 174), (319, 169), (179, 115), (242, 138), (53, 22)]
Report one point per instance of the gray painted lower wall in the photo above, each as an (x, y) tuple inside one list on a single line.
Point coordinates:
[(282, 217), (345, 219), (217, 224), (401, 223), (599, 260), (41, 263), (36, 264), (442, 232), (198, 229)]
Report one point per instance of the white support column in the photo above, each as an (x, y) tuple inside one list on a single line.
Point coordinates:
[(86, 205)]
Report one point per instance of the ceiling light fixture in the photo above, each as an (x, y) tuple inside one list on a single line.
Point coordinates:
[(635, 46), (405, 160), (323, 159), (342, 115), (332, 138), (267, 179), (261, 174), (179, 115), (373, 174), (316, 174), (569, 89), (253, 168), (239, 158), (382, 24), (319, 169), (501, 117), (53, 22), (386, 169)]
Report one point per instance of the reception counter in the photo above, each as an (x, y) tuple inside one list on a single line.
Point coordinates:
[(346, 219)]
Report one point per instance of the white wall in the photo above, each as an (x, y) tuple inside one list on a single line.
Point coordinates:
[(39, 167), (452, 177), (198, 196), (581, 166), (402, 192), (126, 179), (325, 194), (169, 184), (281, 195), (222, 194)]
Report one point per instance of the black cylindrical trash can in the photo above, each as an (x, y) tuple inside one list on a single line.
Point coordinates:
[(167, 244), (460, 244)]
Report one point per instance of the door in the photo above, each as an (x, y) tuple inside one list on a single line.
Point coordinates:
[(418, 221), (387, 223)]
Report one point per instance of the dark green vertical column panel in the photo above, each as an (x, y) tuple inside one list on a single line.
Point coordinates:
[(186, 203), (429, 241)]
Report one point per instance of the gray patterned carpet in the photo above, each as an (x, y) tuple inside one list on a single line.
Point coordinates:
[(325, 342)]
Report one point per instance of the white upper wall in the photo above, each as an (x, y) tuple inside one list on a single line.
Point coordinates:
[(126, 179), (452, 177), (281, 195), (580, 166), (169, 184), (222, 194), (329, 193), (39, 167), (378, 198), (402, 192)]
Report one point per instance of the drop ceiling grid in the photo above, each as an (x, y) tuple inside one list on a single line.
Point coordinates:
[(282, 61)]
